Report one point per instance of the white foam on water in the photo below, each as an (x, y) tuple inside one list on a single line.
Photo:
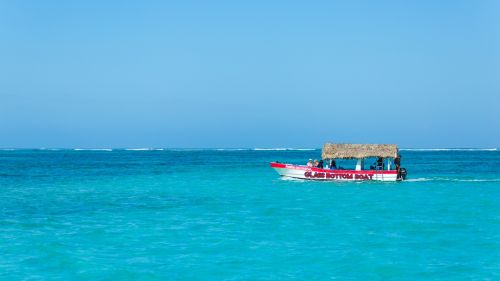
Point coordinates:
[(93, 149), (422, 179), (186, 149), (292, 179), (144, 149), (25, 149), (477, 180), (449, 149), (451, 180), (417, 179), (284, 149)]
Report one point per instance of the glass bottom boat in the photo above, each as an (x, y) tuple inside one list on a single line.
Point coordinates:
[(331, 152)]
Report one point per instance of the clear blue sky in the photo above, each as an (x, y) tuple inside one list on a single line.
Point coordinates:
[(249, 73)]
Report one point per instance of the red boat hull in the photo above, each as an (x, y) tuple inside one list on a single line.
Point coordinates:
[(308, 173)]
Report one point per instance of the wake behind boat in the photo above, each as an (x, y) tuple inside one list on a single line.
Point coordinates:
[(386, 167)]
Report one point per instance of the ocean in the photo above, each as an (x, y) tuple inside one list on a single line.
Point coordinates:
[(208, 214)]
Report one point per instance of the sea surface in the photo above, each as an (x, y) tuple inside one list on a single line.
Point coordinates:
[(226, 215)]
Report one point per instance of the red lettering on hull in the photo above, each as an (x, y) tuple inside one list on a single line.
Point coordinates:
[(344, 176)]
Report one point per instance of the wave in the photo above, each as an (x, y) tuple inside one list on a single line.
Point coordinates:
[(182, 149), (144, 149), (284, 149), (449, 149), (409, 180), (476, 180), (228, 149), (292, 179), (452, 180), (417, 180), (93, 149)]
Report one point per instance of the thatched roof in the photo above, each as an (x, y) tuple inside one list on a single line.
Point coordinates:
[(348, 151)]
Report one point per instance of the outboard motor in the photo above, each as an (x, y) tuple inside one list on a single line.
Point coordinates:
[(402, 174)]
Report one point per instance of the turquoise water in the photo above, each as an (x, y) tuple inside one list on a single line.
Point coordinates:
[(225, 215)]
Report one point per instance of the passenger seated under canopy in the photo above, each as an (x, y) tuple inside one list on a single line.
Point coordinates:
[(378, 165), (333, 165)]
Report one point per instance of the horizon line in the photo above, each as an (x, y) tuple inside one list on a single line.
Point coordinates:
[(225, 148)]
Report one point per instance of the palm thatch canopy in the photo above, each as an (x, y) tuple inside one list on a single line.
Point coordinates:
[(349, 151)]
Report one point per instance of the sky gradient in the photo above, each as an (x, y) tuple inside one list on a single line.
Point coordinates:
[(249, 74)]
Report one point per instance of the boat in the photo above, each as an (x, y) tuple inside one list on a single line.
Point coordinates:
[(387, 166)]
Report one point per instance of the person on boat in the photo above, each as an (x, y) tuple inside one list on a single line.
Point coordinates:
[(310, 163), (397, 162), (380, 163), (333, 165), (316, 163), (320, 164)]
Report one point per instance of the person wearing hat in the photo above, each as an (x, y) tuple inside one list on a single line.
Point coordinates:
[(310, 163)]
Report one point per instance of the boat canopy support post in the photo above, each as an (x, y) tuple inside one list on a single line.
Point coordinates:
[(360, 164)]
